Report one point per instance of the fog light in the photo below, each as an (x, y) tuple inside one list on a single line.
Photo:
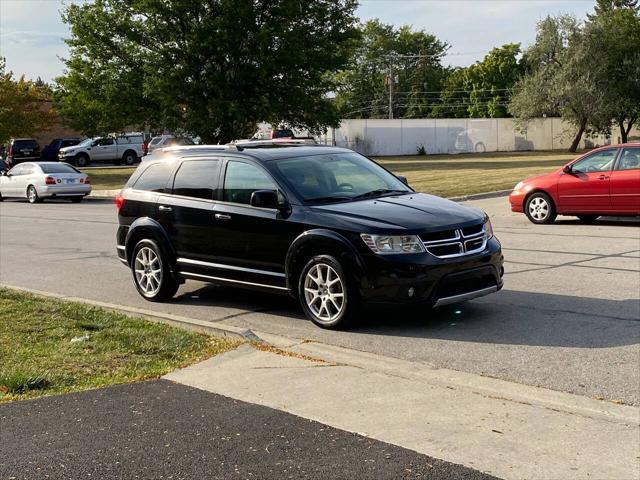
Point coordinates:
[(410, 292)]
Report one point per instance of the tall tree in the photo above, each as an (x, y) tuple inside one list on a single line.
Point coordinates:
[(213, 68), (483, 89), (562, 79), (613, 40), (603, 6), (411, 59), (25, 107)]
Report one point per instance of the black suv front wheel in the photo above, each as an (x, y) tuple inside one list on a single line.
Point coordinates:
[(151, 273), (327, 294)]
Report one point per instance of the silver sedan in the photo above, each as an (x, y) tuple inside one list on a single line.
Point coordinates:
[(38, 180)]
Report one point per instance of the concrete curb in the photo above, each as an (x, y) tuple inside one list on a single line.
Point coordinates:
[(103, 194), (481, 196)]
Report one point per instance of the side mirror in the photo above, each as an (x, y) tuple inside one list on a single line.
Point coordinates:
[(265, 199), (403, 179), (567, 169)]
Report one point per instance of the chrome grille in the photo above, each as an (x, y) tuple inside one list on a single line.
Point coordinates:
[(456, 243)]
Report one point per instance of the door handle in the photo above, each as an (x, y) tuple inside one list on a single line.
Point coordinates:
[(222, 216), (164, 208), (603, 177)]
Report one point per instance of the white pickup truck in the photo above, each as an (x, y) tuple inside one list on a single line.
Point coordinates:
[(125, 149)]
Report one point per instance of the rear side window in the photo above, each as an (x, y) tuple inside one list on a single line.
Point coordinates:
[(69, 143), (154, 178), (242, 179), (197, 179), (629, 159), (58, 168), (155, 141)]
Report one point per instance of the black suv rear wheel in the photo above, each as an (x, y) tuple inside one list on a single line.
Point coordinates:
[(327, 294), (151, 273)]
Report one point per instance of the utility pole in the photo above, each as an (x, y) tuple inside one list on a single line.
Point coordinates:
[(391, 82)]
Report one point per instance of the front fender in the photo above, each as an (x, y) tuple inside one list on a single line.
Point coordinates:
[(146, 227), (317, 242)]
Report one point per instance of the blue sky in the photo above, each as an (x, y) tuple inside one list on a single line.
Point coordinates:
[(31, 31)]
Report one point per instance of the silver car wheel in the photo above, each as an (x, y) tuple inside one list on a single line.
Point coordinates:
[(539, 208), (32, 195), (148, 271), (324, 292)]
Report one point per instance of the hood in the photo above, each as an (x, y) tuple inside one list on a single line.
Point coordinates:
[(415, 212), (68, 149)]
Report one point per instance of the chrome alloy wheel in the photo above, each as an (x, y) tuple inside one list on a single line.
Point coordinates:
[(32, 195), (539, 209), (148, 271), (324, 292)]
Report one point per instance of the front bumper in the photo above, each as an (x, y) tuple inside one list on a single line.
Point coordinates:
[(516, 199), (425, 279)]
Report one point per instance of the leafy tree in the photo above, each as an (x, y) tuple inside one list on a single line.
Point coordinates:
[(214, 68), (604, 6), (25, 108), (613, 40), (482, 90), (414, 57), (562, 79)]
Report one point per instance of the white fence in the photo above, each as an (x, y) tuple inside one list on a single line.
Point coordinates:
[(405, 137)]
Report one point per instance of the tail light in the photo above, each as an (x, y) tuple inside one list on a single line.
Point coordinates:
[(50, 181), (86, 180), (11, 151), (145, 148), (119, 201)]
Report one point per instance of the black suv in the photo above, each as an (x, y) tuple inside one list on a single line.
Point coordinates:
[(324, 224), (22, 150)]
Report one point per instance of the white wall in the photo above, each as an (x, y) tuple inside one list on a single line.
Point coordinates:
[(404, 137)]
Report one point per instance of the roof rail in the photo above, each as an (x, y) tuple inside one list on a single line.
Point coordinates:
[(273, 143)]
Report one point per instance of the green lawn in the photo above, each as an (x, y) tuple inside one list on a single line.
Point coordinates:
[(38, 356), (443, 175), (456, 175), (108, 178)]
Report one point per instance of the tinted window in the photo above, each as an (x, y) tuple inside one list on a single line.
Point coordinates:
[(25, 144), (629, 159), (58, 168), (155, 140), (197, 178), (69, 143), (242, 179), (597, 162), (154, 178)]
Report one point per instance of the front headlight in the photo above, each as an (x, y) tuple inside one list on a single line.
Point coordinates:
[(385, 244), (488, 228), (518, 186)]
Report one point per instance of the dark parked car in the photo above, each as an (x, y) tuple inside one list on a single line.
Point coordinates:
[(22, 150), (50, 152), (323, 224)]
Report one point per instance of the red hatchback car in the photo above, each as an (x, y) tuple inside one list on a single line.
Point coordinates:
[(605, 181)]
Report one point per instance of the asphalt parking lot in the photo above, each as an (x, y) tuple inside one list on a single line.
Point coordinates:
[(568, 318)]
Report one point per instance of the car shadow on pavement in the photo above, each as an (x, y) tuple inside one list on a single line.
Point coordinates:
[(602, 221), (509, 317)]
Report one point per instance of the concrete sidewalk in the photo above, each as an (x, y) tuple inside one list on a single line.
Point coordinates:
[(505, 429)]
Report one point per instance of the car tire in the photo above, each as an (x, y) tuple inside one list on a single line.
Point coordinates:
[(151, 273), (32, 195), (540, 209), (327, 294), (129, 157), (76, 199), (588, 219), (480, 147), (81, 160)]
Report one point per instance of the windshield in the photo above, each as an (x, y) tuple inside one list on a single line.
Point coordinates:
[(86, 143), (337, 177)]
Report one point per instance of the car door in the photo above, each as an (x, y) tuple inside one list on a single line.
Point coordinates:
[(19, 179), (187, 212), (104, 150), (8, 181), (625, 182), (586, 188), (250, 242)]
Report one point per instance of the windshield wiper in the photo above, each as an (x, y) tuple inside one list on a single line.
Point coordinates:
[(380, 191), (330, 199)]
